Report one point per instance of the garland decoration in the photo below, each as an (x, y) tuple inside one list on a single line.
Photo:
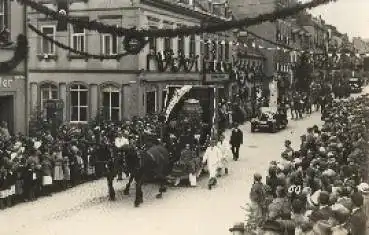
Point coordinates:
[(82, 53), (175, 64), (5, 38), (21, 52), (134, 44), (205, 28)]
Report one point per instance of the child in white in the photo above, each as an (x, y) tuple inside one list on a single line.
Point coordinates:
[(225, 149), (212, 158)]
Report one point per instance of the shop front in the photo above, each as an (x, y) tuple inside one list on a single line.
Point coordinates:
[(153, 88), (13, 103), (222, 83)]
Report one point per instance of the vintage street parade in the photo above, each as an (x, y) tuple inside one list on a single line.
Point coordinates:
[(241, 117)]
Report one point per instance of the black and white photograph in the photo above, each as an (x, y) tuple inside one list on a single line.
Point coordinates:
[(184, 117)]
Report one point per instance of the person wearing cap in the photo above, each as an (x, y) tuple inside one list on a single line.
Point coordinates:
[(188, 160), (236, 141), (358, 220), (257, 196)]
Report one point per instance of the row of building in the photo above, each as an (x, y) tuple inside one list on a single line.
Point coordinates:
[(135, 85)]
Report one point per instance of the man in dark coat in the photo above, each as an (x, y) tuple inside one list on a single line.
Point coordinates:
[(358, 219), (235, 141), (324, 212)]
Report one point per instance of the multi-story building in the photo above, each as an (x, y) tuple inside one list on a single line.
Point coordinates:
[(360, 45), (278, 57), (316, 27), (135, 84), (335, 38), (301, 41), (267, 30), (13, 82)]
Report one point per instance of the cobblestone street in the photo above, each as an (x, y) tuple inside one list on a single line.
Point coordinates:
[(196, 211)]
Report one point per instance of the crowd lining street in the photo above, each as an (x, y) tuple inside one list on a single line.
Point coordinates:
[(86, 209)]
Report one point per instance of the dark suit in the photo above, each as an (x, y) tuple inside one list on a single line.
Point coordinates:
[(357, 223), (321, 214), (235, 142)]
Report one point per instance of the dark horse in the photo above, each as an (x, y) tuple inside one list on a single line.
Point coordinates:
[(143, 164)]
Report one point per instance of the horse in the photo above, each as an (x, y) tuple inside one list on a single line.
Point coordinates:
[(144, 163)]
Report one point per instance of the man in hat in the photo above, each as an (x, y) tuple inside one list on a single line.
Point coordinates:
[(257, 196), (358, 219), (236, 141)]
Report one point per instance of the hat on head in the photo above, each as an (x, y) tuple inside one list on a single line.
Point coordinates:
[(257, 177)]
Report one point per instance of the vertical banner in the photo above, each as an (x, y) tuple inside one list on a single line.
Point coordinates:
[(166, 97), (273, 88), (214, 112)]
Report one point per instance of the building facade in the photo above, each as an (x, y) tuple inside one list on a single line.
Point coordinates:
[(13, 82), (135, 84), (360, 45)]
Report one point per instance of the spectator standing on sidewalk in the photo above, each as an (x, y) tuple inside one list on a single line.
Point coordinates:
[(236, 141)]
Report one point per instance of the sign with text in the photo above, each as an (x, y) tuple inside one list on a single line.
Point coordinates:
[(217, 77), (7, 81)]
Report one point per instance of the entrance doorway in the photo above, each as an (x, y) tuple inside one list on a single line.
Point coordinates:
[(7, 111)]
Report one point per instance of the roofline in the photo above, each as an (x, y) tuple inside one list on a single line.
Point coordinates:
[(182, 10)]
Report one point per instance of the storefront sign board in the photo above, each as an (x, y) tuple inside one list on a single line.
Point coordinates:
[(7, 81), (217, 77)]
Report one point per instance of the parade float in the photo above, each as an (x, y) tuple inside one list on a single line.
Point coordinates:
[(190, 124)]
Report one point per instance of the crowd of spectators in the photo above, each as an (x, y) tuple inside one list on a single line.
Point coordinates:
[(320, 188), (39, 165)]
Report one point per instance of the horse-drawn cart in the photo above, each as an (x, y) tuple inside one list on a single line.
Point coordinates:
[(189, 151)]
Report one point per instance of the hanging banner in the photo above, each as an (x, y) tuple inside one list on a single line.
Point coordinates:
[(178, 94)]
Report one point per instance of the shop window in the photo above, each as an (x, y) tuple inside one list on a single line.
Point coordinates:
[(48, 92), (78, 39), (48, 47), (167, 43), (206, 49), (79, 103), (111, 103), (110, 44), (3, 14), (214, 48), (164, 95), (220, 50), (150, 102), (181, 44), (226, 51), (192, 45)]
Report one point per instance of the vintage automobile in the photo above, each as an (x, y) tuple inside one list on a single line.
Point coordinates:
[(355, 85), (271, 119)]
